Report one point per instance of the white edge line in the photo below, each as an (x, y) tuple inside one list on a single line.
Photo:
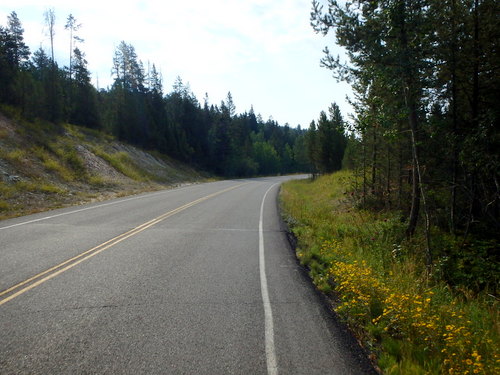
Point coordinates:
[(272, 364), (93, 207)]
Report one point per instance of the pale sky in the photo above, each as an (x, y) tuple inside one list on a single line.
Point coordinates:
[(263, 51)]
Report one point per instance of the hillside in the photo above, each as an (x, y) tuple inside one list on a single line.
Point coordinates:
[(44, 166)]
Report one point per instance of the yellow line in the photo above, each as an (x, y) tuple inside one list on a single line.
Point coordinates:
[(98, 249), (59, 265)]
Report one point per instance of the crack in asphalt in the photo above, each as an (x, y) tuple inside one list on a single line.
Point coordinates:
[(132, 305)]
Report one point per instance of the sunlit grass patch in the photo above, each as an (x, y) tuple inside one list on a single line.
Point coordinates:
[(25, 186), (51, 189), (69, 156), (53, 164), (7, 190), (123, 163), (83, 133), (15, 156), (37, 186), (4, 206), (97, 181), (3, 133)]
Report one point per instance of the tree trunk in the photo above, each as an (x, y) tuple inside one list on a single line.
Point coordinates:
[(415, 193), (475, 62), (410, 91), (364, 171), (388, 179), (454, 98), (475, 115), (417, 186), (374, 161), (401, 165)]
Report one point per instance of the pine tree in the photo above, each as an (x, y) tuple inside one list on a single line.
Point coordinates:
[(14, 55), (85, 108), (20, 51), (50, 23), (229, 104), (73, 27), (313, 149)]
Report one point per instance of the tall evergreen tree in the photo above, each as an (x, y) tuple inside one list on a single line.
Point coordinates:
[(331, 140), (13, 57), (84, 112), (50, 22), (313, 149), (19, 50), (73, 27)]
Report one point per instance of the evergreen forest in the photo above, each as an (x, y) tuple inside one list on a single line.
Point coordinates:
[(136, 109), (426, 139)]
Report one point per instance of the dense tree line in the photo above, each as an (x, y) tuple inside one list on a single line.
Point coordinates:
[(426, 80), (137, 110), (326, 141)]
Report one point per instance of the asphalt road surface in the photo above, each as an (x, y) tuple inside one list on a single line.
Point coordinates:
[(194, 280)]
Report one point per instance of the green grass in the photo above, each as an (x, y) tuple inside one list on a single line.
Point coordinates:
[(66, 152), (4, 206), (53, 164), (6, 190), (63, 159), (97, 181), (36, 186), (16, 157), (412, 322), (9, 191), (83, 134), (51, 189), (3, 133), (123, 163)]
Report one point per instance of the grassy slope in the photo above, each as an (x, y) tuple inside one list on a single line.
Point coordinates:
[(411, 321), (44, 166)]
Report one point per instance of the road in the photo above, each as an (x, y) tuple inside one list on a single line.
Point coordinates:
[(194, 280)]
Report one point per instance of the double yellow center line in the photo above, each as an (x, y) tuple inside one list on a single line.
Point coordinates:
[(52, 272)]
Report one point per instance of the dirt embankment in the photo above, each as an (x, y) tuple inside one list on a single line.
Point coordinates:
[(44, 166)]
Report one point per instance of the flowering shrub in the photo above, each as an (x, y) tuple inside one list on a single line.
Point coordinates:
[(437, 330)]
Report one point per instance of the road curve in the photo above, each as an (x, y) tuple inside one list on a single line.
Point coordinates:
[(194, 280)]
